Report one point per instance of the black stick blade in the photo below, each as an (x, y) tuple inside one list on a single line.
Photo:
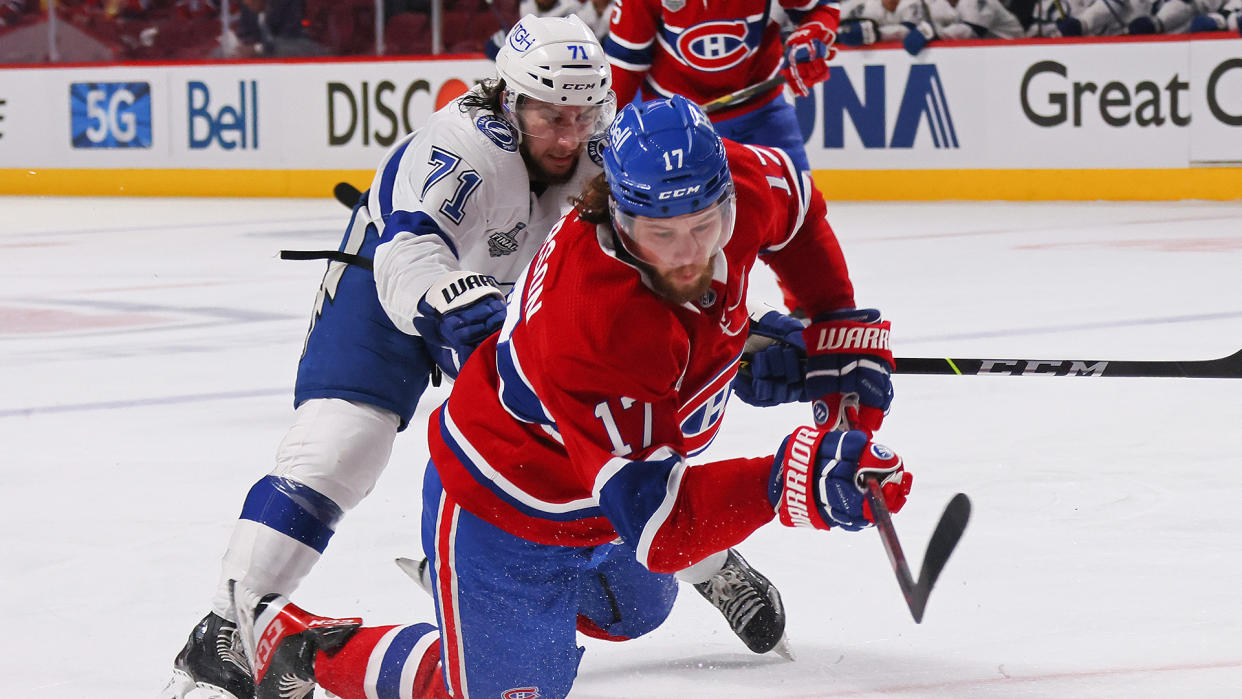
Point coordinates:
[(943, 541), (347, 194)]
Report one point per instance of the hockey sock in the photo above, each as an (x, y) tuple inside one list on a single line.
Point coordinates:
[(703, 570), (374, 661)]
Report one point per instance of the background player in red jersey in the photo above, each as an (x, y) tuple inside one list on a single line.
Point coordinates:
[(559, 498), (704, 51)]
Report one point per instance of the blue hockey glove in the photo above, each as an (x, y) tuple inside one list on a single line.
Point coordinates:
[(918, 37), (857, 32), (1069, 26), (457, 313), (1145, 25), (775, 367), (819, 476), (848, 369), (1223, 21), (1211, 22)]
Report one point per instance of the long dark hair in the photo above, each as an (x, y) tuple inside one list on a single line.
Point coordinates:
[(592, 203), (488, 98)]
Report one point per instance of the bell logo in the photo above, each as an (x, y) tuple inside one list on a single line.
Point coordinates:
[(923, 100)]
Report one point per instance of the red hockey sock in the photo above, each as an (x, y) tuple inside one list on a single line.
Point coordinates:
[(344, 673)]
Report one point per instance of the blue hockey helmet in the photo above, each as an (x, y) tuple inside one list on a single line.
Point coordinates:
[(665, 160)]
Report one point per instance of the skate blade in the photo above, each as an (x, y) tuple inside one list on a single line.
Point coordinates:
[(783, 649), (409, 566), (206, 691), (178, 686)]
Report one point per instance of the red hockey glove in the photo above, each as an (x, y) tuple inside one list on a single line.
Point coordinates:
[(807, 52), (848, 369), (818, 479)]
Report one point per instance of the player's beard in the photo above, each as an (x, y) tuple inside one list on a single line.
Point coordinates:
[(674, 285), (539, 174)]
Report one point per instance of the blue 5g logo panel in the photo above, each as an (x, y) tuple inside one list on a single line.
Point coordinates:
[(110, 115)]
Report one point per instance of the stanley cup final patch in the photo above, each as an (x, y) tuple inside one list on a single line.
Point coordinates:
[(501, 243)]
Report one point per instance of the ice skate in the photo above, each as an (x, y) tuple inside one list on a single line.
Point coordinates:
[(751, 605), (281, 641), (212, 665)]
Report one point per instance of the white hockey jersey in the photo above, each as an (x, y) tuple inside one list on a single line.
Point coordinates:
[(456, 196)]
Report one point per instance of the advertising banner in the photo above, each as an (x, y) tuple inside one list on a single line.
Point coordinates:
[(1150, 104), (1122, 117), (261, 116)]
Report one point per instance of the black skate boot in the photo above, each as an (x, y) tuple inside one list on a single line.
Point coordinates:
[(212, 665), (281, 641), (750, 603)]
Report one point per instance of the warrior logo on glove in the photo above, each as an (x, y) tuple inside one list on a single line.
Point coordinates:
[(818, 479)]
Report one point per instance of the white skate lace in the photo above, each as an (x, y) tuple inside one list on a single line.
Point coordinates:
[(293, 687), (229, 649), (733, 595)]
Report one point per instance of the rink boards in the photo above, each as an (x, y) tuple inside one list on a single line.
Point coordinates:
[(1156, 118)]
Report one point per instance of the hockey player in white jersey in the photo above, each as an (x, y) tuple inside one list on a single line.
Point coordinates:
[(1189, 16), (1046, 13), (1104, 17), (916, 23)]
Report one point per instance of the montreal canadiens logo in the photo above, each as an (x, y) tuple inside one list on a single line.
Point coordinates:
[(714, 46), (522, 693), (498, 131)]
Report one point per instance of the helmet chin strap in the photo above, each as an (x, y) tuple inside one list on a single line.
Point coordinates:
[(509, 113)]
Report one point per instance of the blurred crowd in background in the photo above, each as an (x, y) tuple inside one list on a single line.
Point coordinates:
[(34, 31)]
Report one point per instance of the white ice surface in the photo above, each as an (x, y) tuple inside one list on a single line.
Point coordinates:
[(147, 356)]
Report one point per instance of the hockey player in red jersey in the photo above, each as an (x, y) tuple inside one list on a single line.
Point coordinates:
[(705, 51), (559, 497)]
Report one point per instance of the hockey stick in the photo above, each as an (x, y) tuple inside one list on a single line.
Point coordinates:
[(742, 95), (943, 540), (333, 255), (1224, 368)]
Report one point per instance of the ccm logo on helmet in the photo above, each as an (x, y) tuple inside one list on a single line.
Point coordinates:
[(684, 191), (578, 86)]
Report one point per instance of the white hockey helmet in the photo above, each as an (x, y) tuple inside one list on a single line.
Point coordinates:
[(557, 61)]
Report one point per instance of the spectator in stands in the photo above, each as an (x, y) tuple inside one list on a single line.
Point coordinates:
[(12, 11), (274, 28)]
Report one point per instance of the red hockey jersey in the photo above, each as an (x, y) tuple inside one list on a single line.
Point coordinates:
[(572, 425), (702, 50)]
